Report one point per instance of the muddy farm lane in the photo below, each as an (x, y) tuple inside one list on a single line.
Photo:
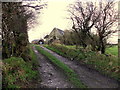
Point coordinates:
[(51, 76), (89, 77)]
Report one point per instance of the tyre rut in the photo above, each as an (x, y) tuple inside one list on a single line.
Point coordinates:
[(51, 76), (89, 77)]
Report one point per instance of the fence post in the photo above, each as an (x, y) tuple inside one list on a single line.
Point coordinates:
[(119, 33)]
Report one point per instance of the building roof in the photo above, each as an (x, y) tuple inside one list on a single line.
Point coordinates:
[(46, 36), (36, 40), (60, 31)]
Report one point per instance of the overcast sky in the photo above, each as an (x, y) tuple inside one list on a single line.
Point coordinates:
[(55, 15)]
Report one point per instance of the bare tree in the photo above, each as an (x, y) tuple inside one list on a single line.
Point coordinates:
[(105, 23), (87, 15), (34, 10), (84, 18)]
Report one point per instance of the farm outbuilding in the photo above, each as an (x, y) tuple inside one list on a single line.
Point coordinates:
[(54, 36)]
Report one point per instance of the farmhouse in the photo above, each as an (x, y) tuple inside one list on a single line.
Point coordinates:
[(54, 36)]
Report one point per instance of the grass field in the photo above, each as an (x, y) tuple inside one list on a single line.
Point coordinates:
[(112, 50), (105, 64), (109, 50)]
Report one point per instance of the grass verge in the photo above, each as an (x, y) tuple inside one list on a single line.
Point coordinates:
[(72, 76), (107, 65), (18, 73)]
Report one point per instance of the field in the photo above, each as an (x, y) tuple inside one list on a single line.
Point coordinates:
[(112, 50), (109, 50)]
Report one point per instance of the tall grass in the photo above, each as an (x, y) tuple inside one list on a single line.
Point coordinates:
[(18, 73)]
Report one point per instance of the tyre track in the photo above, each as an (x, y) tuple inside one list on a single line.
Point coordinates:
[(89, 77), (51, 76)]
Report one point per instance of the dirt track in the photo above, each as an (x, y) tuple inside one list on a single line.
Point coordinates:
[(89, 77), (51, 76)]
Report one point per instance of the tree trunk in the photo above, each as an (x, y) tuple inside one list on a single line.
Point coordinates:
[(118, 51), (103, 48)]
